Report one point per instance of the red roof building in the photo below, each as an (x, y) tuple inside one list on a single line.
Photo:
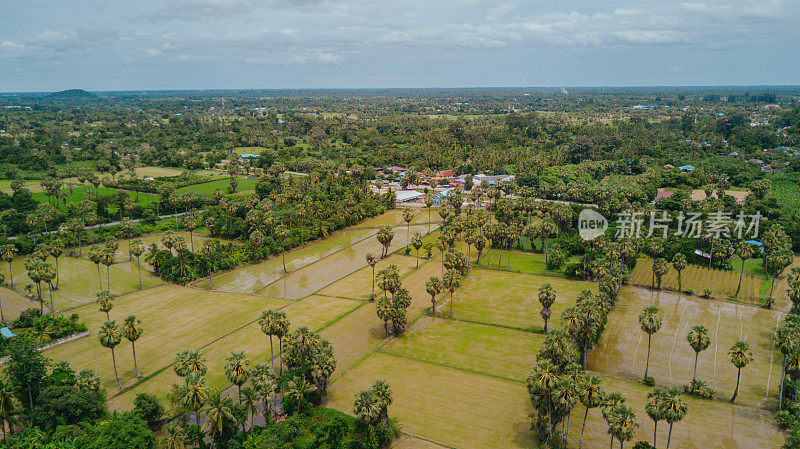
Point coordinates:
[(664, 194), (445, 174)]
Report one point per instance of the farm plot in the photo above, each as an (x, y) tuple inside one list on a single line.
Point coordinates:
[(708, 424), (511, 299), (722, 283), (317, 275), (243, 333), (79, 193), (79, 280), (207, 188), (451, 406), (359, 284), (13, 304), (622, 352), (252, 278), (174, 318), (479, 348), (195, 239)]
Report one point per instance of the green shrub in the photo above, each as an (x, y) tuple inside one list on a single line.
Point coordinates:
[(649, 381), (699, 388), (149, 408)]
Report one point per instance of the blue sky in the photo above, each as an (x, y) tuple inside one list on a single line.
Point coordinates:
[(50, 45)]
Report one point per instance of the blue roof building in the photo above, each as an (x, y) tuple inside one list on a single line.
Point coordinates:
[(248, 155), (686, 168), (6, 333)]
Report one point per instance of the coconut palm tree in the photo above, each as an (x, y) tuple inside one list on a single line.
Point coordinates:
[(174, 437), (8, 253), (547, 297), (249, 400), (237, 369), (8, 408), (433, 287), (297, 388), (132, 330), (110, 336), (679, 264), (452, 280), (650, 323), (699, 341), (740, 358), (591, 396), (673, 409), (372, 261), (106, 302), (655, 409), (136, 247), (193, 393)]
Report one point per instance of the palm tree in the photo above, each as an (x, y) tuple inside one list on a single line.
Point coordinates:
[(267, 323), (673, 409), (263, 379), (655, 409), (740, 357), (237, 369), (193, 393), (428, 205), (132, 330), (372, 261), (679, 264), (433, 287), (408, 216), (249, 400), (591, 396), (699, 341), (110, 336), (56, 249), (416, 243), (650, 323), (190, 361), (282, 233), (47, 274), (107, 259), (8, 253), (217, 409), (786, 339), (106, 302), (209, 249), (660, 268), (174, 437), (547, 297), (366, 407), (298, 388), (8, 408), (744, 251), (566, 396), (623, 424), (136, 247), (452, 280), (96, 256)]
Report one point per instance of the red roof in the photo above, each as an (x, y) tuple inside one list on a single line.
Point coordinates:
[(445, 174), (664, 194)]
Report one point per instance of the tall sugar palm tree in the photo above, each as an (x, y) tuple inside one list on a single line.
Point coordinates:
[(679, 264), (267, 323), (110, 336), (740, 358), (47, 274), (591, 396), (298, 388), (107, 259), (547, 297), (194, 393), (136, 247), (8, 253), (56, 249), (281, 330), (190, 361), (249, 400), (372, 261), (433, 287), (744, 251), (565, 396), (106, 302), (132, 330), (673, 409), (237, 369), (650, 323), (452, 280), (655, 409), (786, 339), (96, 256), (263, 380), (209, 249), (408, 216), (699, 341)]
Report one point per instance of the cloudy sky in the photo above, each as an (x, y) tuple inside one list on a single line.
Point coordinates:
[(50, 45)]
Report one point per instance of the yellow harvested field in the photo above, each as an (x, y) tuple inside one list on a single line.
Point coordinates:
[(13, 304), (722, 283), (453, 407)]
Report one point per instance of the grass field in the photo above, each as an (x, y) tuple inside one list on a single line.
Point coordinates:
[(80, 193), (79, 280), (461, 409), (786, 192), (13, 304), (208, 188), (522, 262), (722, 283), (359, 284), (511, 299), (623, 349)]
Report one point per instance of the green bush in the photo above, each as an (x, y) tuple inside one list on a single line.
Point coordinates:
[(149, 408), (699, 388), (649, 381)]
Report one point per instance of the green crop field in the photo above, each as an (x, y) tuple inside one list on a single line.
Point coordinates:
[(208, 188), (80, 193)]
